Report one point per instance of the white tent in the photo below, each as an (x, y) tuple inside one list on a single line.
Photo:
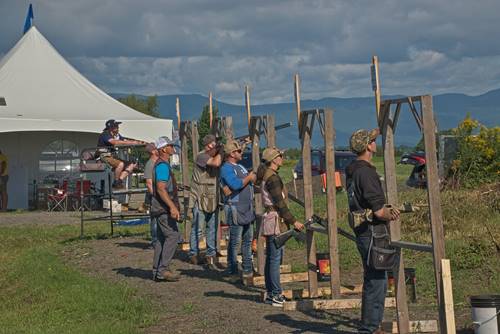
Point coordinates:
[(47, 100)]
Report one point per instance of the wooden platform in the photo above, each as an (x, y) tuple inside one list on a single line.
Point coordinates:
[(322, 292), (329, 304), (418, 326), (203, 245)]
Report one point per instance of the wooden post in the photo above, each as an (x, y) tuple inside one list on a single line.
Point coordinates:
[(194, 139), (297, 97), (448, 296), (185, 175), (178, 111), (395, 226), (210, 110), (228, 127), (434, 200), (247, 106), (309, 210), (376, 86), (331, 195), (254, 135), (270, 131)]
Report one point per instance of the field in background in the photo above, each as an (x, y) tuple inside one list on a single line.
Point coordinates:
[(43, 294)]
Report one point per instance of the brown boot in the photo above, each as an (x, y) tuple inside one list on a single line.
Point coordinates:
[(193, 259), (210, 263), (170, 276)]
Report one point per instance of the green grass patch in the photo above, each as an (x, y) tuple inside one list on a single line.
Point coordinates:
[(41, 294)]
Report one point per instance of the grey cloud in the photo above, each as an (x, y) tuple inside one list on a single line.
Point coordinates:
[(181, 46)]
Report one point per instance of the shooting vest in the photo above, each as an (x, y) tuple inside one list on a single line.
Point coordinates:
[(203, 189), (158, 207), (242, 210), (271, 221)]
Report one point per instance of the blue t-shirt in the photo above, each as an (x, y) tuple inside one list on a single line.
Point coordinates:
[(105, 137), (162, 172)]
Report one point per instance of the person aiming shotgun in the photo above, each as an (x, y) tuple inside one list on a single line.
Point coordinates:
[(274, 197)]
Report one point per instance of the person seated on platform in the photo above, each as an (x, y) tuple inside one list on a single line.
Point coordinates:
[(108, 140)]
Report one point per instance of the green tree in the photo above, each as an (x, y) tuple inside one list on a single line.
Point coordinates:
[(146, 105), (204, 122)]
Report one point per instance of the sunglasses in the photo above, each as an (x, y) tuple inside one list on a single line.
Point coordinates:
[(239, 151)]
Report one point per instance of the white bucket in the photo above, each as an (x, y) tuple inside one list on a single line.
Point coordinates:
[(485, 314)]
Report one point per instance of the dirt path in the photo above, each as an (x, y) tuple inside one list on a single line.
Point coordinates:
[(202, 301)]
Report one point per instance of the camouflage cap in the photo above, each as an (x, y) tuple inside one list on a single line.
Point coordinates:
[(271, 153), (231, 146), (361, 138)]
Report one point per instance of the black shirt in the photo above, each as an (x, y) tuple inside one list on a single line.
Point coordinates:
[(365, 182), (105, 137)]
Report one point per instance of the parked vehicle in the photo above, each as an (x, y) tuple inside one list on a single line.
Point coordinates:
[(418, 177), (318, 165)]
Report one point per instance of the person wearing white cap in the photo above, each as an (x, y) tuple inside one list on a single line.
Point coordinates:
[(165, 207)]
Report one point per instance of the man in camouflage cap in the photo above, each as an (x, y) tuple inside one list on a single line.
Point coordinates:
[(361, 139), (367, 204)]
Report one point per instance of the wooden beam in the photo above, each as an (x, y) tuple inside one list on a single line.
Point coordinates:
[(247, 105), (284, 278), (376, 86), (296, 89), (228, 127), (435, 214), (178, 111), (210, 110), (324, 291), (194, 139), (402, 100), (271, 132), (395, 226), (329, 304), (183, 132), (448, 296), (309, 207), (331, 203), (418, 326)]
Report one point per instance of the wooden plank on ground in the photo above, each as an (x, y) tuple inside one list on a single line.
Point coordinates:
[(202, 245), (329, 304), (322, 292), (285, 278), (448, 296), (418, 326)]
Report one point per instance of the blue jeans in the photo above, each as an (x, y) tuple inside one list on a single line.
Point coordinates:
[(272, 268), (374, 290), (153, 226), (236, 234), (202, 220)]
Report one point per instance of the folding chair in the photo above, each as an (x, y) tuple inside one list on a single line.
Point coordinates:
[(58, 199)]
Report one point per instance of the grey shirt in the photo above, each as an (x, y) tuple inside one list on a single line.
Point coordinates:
[(148, 174)]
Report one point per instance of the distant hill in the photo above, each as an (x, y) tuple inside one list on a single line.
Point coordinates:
[(349, 114)]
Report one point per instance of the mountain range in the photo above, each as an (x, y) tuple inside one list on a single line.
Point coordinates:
[(349, 114)]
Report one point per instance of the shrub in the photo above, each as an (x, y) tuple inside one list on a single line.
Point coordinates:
[(478, 159)]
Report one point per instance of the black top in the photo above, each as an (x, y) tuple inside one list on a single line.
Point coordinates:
[(105, 137), (367, 190)]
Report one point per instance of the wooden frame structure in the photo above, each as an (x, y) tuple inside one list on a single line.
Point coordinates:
[(388, 112)]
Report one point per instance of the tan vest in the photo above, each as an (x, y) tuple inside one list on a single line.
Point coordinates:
[(272, 224), (203, 190)]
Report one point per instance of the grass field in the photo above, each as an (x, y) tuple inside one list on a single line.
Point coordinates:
[(40, 293)]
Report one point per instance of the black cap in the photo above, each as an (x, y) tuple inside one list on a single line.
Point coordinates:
[(111, 123)]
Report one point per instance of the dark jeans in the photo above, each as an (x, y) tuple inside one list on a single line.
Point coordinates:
[(236, 234), (374, 290), (165, 244), (272, 268)]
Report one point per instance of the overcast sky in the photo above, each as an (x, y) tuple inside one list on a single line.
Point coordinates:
[(182, 46)]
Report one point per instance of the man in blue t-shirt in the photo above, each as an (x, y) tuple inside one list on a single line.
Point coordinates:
[(165, 206), (238, 208), (108, 139)]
